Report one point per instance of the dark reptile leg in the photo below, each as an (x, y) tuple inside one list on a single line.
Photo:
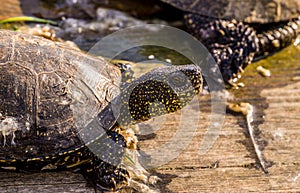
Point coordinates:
[(105, 176), (231, 43), (105, 169), (274, 37), (234, 44)]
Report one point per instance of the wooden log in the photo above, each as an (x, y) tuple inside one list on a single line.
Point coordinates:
[(10, 8)]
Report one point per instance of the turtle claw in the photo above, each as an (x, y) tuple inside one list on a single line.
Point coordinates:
[(139, 176), (154, 179), (140, 187)]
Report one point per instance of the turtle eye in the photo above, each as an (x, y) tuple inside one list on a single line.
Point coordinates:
[(178, 80)]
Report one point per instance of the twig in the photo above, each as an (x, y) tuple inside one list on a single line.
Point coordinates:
[(247, 110)]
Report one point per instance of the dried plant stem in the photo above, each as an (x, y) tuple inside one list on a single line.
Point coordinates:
[(247, 110)]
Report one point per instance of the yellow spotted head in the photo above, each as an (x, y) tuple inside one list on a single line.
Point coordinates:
[(163, 90)]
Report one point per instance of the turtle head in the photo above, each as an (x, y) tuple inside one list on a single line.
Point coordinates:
[(160, 91)]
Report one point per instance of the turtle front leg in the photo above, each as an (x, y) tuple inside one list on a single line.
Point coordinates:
[(106, 176), (105, 168), (114, 178), (139, 176), (113, 165), (231, 43)]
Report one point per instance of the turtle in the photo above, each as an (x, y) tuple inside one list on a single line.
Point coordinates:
[(236, 32), (64, 109)]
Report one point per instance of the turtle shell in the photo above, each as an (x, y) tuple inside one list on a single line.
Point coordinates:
[(259, 11), (47, 91)]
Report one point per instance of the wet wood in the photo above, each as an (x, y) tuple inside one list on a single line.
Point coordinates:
[(11, 8), (228, 165)]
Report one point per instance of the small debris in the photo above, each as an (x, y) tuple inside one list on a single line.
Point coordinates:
[(151, 57), (247, 110), (296, 78), (9, 168), (8, 126), (44, 31), (244, 108), (263, 71), (296, 178), (169, 60), (233, 84), (49, 167), (215, 164)]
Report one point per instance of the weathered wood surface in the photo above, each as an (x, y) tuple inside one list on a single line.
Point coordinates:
[(277, 103), (10, 8)]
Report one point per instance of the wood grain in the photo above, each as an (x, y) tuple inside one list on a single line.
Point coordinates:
[(11, 8)]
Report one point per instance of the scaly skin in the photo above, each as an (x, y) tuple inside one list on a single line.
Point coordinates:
[(234, 44)]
